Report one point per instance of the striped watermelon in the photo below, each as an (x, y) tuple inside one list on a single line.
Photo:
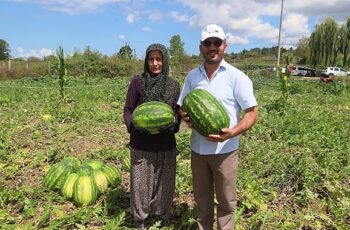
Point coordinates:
[(73, 161), (85, 191), (126, 162), (57, 175), (112, 173), (95, 164), (100, 180), (206, 113), (68, 185), (152, 116)]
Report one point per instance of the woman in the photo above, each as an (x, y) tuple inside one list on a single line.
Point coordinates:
[(153, 157)]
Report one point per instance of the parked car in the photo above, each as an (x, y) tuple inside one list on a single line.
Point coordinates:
[(334, 71), (298, 71), (303, 71)]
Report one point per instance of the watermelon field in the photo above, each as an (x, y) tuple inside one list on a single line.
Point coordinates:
[(294, 163)]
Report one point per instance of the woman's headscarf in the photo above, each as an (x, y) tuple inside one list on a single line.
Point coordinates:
[(158, 87)]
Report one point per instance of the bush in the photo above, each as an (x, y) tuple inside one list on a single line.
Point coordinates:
[(107, 67)]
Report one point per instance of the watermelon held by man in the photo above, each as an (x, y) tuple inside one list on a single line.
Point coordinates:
[(206, 114)]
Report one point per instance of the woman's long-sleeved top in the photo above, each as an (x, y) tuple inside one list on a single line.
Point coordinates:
[(155, 142)]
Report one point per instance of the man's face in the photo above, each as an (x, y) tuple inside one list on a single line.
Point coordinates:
[(213, 50)]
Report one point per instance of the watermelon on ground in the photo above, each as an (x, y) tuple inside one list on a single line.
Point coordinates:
[(113, 174), (95, 164), (85, 191), (100, 180), (68, 186), (57, 174)]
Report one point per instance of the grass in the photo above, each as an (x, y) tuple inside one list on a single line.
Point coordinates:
[(294, 164)]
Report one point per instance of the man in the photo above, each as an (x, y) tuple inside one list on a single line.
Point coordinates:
[(214, 159)]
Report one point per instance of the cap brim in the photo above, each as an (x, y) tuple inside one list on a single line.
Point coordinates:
[(204, 38)]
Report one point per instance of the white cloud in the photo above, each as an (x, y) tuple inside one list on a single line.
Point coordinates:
[(146, 29), (245, 19), (44, 52), (178, 17), (20, 52), (33, 53), (155, 16), (73, 6), (236, 39), (130, 18), (242, 19), (121, 37)]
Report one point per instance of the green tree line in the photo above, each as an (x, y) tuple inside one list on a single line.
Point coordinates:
[(328, 45)]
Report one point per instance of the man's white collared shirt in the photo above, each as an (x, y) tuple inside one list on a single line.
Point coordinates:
[(233, 89)]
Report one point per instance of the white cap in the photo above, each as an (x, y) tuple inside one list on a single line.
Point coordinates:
[(213, 30)]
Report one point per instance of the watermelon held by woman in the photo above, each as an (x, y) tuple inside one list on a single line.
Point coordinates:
[(206, 114), (152, 116)]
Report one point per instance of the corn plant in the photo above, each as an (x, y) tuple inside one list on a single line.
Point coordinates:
[(61, 70), (285, 77)]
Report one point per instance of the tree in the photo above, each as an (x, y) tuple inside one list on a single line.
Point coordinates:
[(344, 42), (302, 50), (91, 55), (324, 44), (177, 52), (125, 52), (33, 59), (4, 50)]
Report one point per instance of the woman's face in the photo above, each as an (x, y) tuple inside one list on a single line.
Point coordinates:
[(155, 62)]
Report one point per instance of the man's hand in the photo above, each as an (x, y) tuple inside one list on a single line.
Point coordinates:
[(249, 119), (185, 117), (223, 136)]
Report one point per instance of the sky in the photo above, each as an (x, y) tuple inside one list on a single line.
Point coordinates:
[(38, 27)]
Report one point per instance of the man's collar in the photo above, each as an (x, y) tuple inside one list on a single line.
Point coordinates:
[(223, 65)]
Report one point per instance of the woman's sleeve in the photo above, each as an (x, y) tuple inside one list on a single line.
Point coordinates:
[(131, 101), (176, 108)]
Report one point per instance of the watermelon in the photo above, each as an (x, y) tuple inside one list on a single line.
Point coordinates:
[(72, 160), (86, 169), (127, 163), (57, 175), (100, 180), (68, 185), (152, 116), (85, 191), (95, 164), (112, 173), (206, 114)]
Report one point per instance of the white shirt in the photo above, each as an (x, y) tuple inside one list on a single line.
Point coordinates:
[(233, 89)]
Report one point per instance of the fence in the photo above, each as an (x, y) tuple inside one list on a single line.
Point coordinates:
[(105, 67)]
